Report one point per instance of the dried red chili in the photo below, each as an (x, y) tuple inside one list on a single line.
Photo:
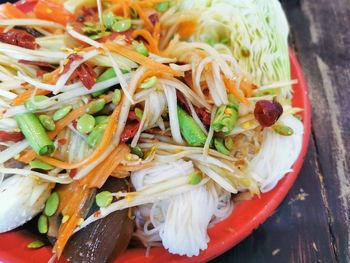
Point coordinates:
[(127, 36), (19, 38), (62, 141), (203, 115), (129, 131), (73, 173), (11, 136), (87, 75), (70, 59), (267, 112), (37, 63)]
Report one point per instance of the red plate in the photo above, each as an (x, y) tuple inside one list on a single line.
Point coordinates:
[(246, 216)]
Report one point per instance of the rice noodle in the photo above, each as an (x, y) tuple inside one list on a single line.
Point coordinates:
[(30, 22), (13, 150), (273, 161), (61, 178), (83, 38)]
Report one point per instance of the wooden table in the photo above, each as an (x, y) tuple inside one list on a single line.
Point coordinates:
[(313, 222)]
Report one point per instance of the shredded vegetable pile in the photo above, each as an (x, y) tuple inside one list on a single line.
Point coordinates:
[(136, 122)]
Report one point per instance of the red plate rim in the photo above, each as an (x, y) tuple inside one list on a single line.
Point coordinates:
[(246, 216)]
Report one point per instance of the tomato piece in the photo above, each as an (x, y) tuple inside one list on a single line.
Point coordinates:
[(8, 10), (11, 136), (52, 10), (267, 112)]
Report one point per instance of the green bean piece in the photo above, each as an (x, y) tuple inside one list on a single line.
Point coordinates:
[(91, 28), (35, 133), (94, 138), (220, 146), (99, 35), (37, 164), (162, 7), (96, 106), (225, 41), (121, 25), (299, 117), (109, 19), (62, 112), (43, 224), (149, 83), (104, 199), (137, 150), (282, 129), (102, 119), (233, 101), (265, 92), (86, 123), (229, 143), (47, 122), (138, 113), (195, 178), (190, 130), (51, 204), (106, 75), (35, 244), (225, 119), (30, 104), (141, 48), (117, 96), (211, 41)]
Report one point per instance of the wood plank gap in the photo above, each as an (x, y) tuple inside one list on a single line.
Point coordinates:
[(324, 196)]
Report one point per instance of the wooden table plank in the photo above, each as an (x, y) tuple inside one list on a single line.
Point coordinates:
[(322, 39), (297, 232), (320, 36)]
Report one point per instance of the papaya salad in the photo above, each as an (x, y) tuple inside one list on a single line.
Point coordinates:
[(128, 123)]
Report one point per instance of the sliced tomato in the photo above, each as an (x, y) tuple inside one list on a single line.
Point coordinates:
[(11, 136), (52, 10), (8, 10)]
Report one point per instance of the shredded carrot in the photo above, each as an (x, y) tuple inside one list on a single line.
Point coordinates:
[(247, 87), (126, 9), (187, 27), (51, 78), (143, 16), (149, 3), (60, 125), (132, 168), (116, 9), (78, 195), (152, 43), (231, 88), (145, 61), (111, 127), (98, 176), (20, 99), (156, 33), (120, 174)]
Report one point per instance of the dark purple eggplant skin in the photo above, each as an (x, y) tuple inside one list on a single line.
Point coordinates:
[(105, 239)]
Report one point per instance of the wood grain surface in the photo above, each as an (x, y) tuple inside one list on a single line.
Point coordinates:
[(313, 223)]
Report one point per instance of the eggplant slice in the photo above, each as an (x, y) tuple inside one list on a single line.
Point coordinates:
[(103, 240)]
